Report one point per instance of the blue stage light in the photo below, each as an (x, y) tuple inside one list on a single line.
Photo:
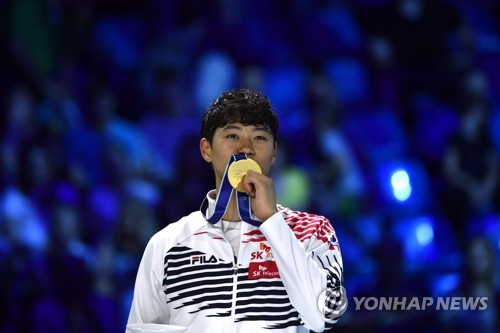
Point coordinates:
[(401, 187), (425, 233)]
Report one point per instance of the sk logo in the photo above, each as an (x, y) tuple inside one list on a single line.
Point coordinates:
[(263, 270), (264, 252)]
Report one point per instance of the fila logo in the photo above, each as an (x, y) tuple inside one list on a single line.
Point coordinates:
[(264, 253), (203, 260)]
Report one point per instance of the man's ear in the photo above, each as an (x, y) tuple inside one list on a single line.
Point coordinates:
[(274, 152), (206, 150)]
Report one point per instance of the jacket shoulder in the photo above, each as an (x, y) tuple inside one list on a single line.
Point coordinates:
[(305, 225), (178, 231), (295, 218)]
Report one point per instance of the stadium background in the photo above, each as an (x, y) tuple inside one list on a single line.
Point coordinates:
[(101, 104)]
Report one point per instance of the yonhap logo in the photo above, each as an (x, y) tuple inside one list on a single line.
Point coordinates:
[(421, 303), (336, 300)]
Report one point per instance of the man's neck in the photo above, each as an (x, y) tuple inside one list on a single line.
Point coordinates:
[(232, 213)]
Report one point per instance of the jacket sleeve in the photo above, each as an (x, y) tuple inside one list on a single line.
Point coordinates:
[(148, 304), (310, 265)]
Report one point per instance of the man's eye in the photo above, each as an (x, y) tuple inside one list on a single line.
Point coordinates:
[(232, 136), (261, 137)]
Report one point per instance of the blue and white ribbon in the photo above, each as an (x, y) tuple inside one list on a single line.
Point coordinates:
[(221, 202)]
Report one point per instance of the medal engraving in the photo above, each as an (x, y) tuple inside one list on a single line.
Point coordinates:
[(238, 170)]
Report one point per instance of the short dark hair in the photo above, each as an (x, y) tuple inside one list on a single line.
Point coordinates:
[(242, 105)]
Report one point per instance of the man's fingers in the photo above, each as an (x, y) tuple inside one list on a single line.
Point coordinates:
[(249, 187)]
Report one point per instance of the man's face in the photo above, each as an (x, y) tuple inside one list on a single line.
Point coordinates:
[(255, 141)]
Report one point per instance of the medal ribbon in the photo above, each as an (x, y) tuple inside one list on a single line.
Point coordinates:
[(223, 197)]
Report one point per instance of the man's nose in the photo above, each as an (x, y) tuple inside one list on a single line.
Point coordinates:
[(247, 147)]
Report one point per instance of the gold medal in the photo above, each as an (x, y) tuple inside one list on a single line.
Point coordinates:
[(238, 170)]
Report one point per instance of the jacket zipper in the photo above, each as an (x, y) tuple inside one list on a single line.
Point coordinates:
[(235, 290), (235, 280)]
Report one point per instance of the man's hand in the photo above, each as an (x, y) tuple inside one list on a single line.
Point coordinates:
[(261, 189)]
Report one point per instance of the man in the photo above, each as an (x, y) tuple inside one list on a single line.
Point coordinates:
[(242, 263)]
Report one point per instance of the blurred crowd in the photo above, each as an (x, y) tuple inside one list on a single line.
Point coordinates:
[(101, 104)]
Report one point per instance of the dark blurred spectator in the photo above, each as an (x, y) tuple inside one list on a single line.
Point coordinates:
[(121, 161), (470, 169), (323, 29), (115, 263), (136, 224), (337, 181), (18, 126), (141, 158), (24, 269), (396, 282), (190, 184), (428, 44), (69, 257), (256, 26), (477, 280), (293, 183), (32, 39), (169, 119), (40, 33), (206, 86)]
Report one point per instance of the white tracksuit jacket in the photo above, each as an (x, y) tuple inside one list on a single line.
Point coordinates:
[(287, 276)]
